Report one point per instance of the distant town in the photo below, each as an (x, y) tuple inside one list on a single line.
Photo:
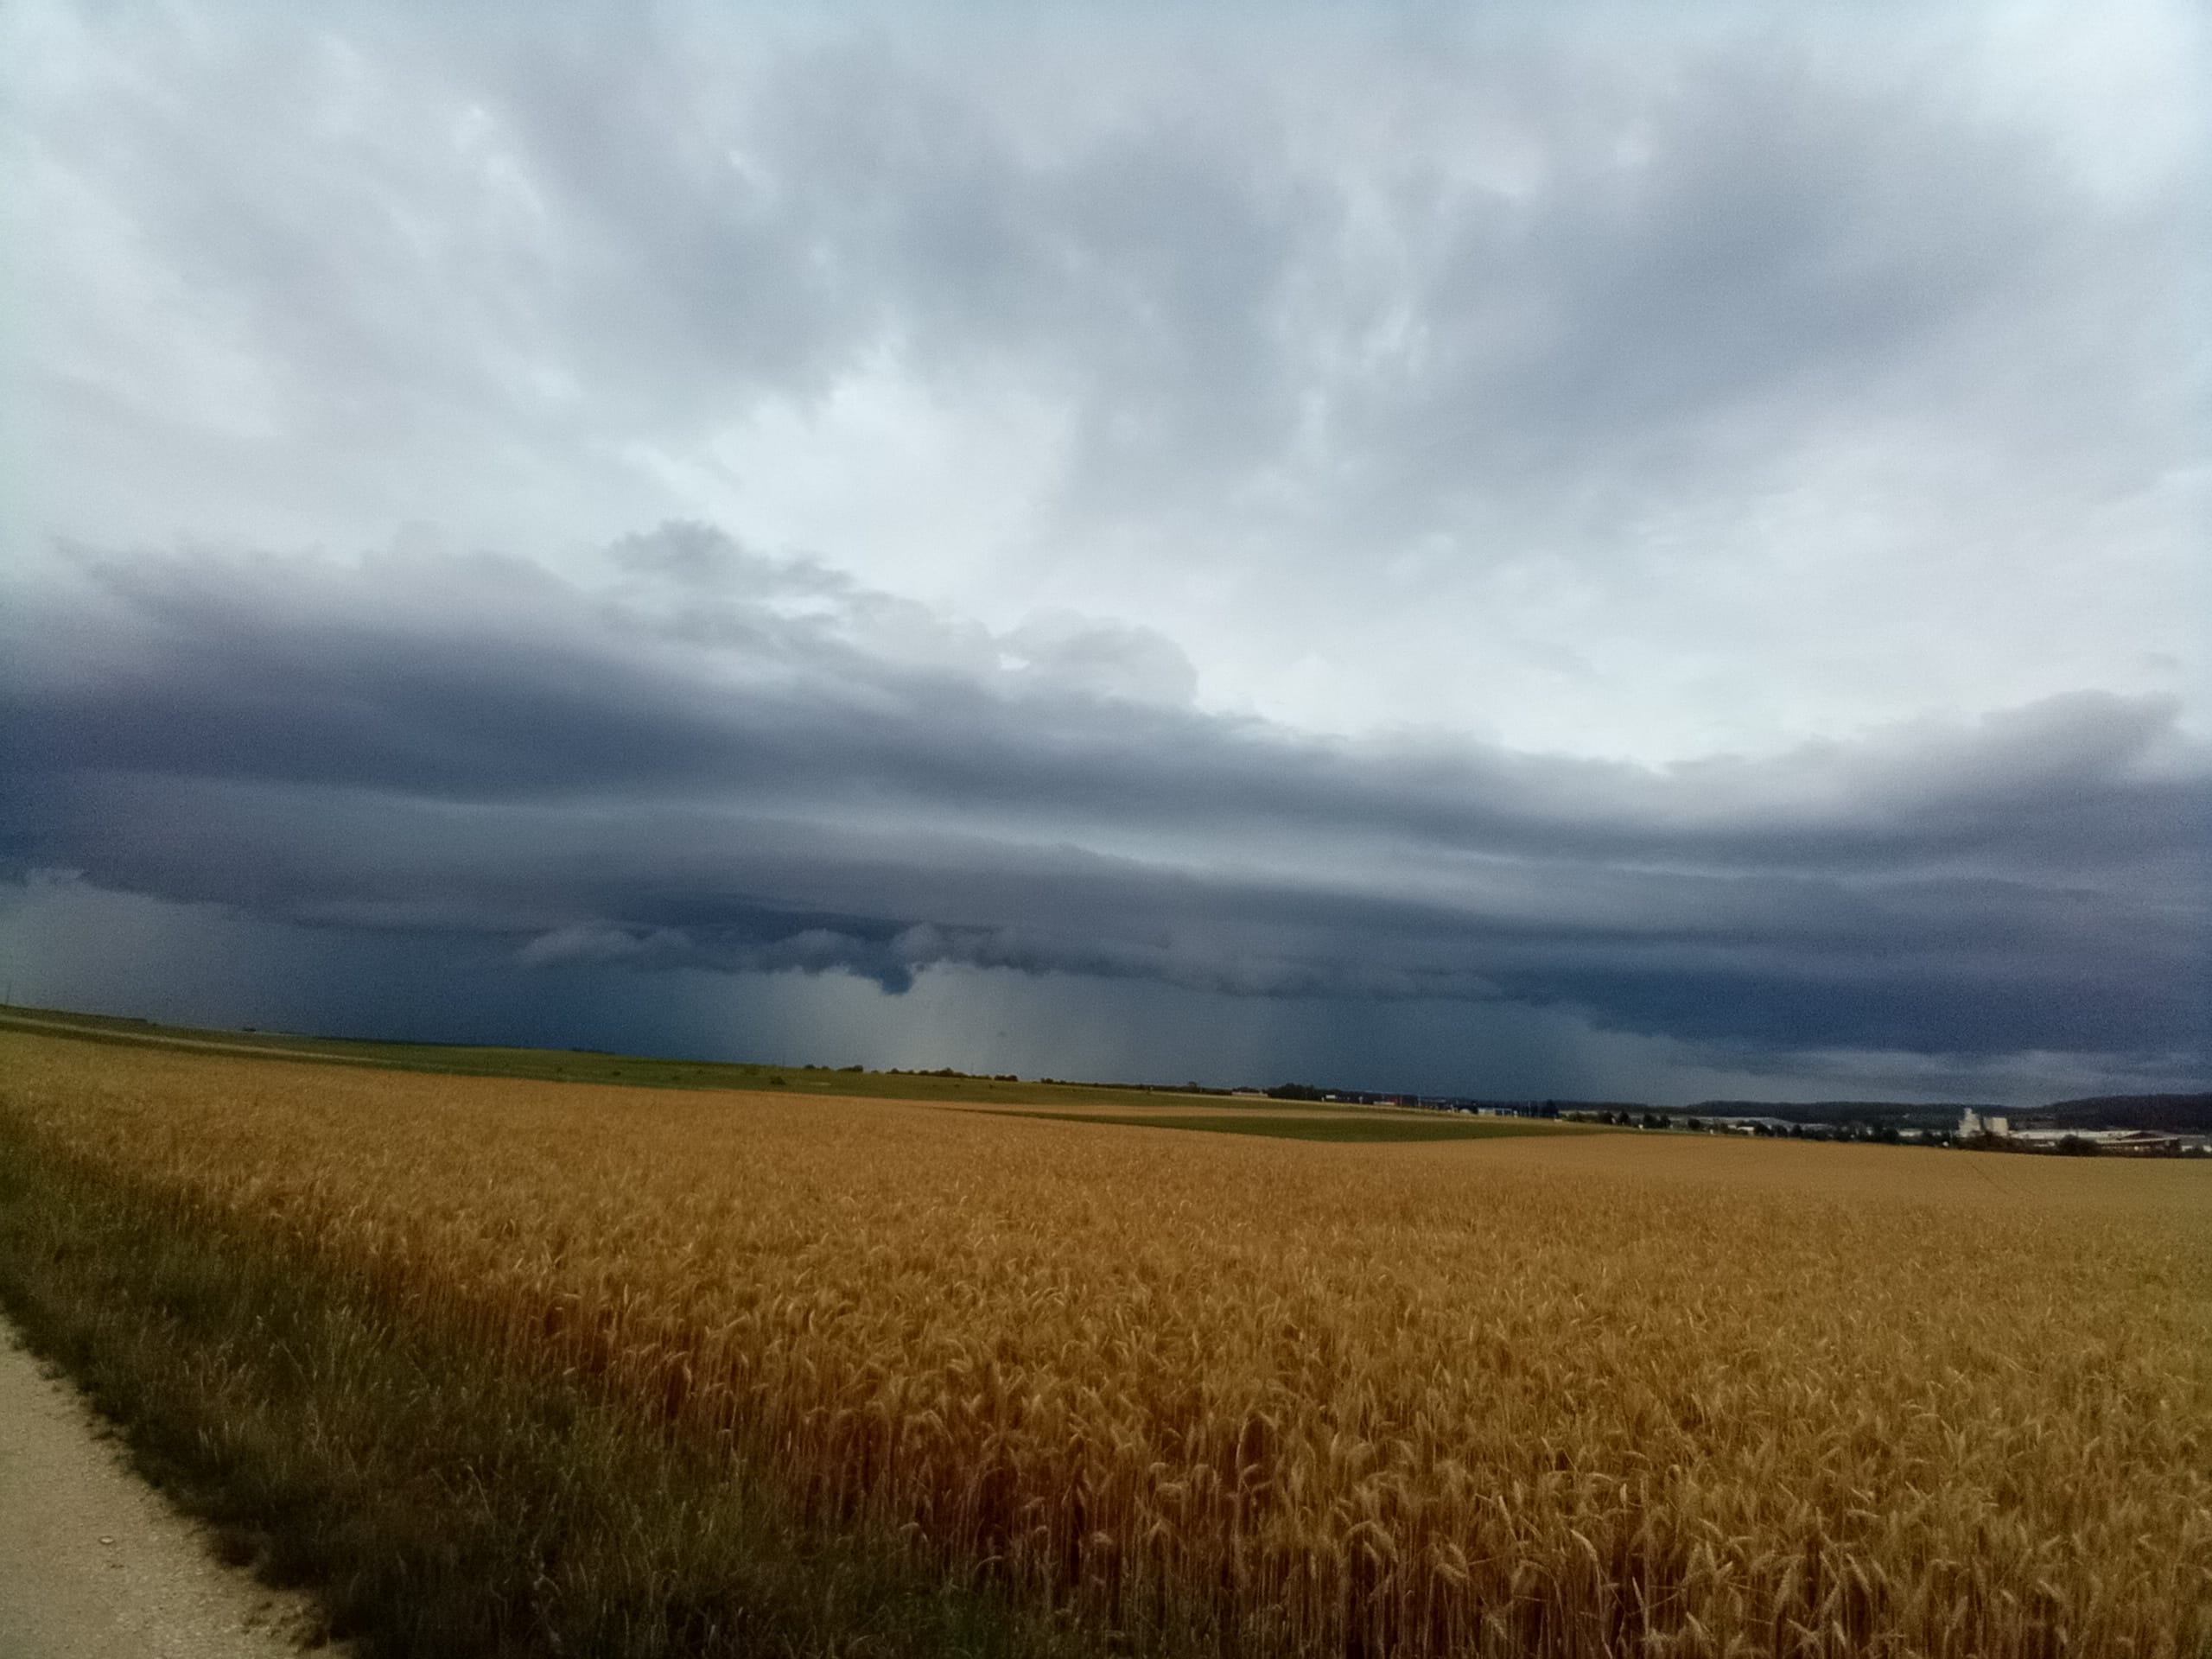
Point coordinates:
[(2173, 1125), (2162, 1125)]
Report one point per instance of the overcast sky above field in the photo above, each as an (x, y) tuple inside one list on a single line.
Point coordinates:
[(1537, 551)]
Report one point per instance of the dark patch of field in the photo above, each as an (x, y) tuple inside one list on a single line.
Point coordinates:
[(1318, 1126)]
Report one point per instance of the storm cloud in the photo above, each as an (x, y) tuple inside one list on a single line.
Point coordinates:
[(1683, 527), (715, 759)]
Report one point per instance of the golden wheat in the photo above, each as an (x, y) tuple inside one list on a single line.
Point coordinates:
[(1585, 1395)]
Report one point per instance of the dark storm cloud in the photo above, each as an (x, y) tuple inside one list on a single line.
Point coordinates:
[(710, 757), (767, 234), (1763, 247), (1597, 383), (499, 235), (1666, 265)]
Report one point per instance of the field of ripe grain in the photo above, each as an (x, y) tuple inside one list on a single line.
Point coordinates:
[(1574, 1395)]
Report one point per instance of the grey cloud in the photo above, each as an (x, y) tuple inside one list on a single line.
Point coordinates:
[(1505, 368), (783, 686), (1546, 350), (520, 230), (592, 776)]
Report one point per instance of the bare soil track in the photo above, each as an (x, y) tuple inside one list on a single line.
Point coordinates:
[(93, 1564)]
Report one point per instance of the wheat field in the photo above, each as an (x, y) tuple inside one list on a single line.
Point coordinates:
[(1567, 1396)]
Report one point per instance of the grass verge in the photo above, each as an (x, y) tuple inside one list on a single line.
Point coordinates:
[(437, 1503), (1316, 1128)]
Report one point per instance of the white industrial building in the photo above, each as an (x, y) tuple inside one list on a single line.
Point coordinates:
[(1973, 1124)]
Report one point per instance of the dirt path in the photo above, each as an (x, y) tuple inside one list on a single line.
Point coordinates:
[(93, 1564)]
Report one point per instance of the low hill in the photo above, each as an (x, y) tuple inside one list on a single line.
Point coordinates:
[(2172, 1114), (1897, 1113)]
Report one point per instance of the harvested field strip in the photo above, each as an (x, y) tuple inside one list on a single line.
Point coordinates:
[(1564, 1395), (1320, 1126)]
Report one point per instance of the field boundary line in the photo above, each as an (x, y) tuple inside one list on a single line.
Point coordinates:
[(159, 1039)]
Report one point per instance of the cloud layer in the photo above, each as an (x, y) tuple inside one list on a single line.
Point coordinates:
[(713, 759), (1631, 390), (1670, 528)]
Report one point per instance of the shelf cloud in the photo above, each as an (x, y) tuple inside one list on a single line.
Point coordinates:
[(712, 758), (1586, 548)]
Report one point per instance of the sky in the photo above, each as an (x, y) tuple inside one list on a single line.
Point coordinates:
[(1599, 551)]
